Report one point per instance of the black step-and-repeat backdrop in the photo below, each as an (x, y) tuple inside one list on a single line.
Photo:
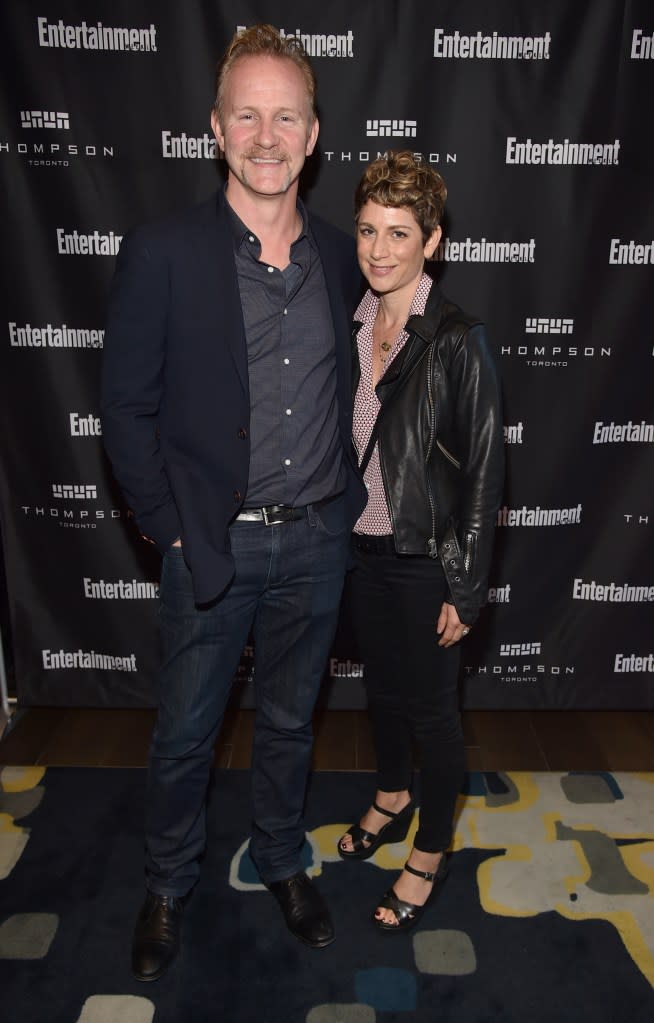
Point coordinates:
[(538, 115)]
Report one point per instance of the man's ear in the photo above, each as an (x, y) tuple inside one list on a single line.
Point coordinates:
[(217, 130), (313, 137)]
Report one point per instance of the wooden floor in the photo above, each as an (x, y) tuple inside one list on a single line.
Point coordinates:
[(495, 740)]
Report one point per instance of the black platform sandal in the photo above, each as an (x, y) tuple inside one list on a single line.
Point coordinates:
[(406, 913), (394, 831)]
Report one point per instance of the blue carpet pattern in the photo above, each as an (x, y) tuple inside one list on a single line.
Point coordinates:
[(548, 913)]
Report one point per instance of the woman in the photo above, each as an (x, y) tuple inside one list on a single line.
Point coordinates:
[(427, 428)]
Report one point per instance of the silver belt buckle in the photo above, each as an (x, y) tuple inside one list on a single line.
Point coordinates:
[(268, 519)]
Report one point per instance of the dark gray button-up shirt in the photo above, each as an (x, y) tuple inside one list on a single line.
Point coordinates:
[(295, 448)]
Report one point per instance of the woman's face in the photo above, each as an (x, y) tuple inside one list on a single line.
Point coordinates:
[(390, 248)]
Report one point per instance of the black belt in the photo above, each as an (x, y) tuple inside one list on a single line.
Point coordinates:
[(275, 514), (272, 514), (373, 544)]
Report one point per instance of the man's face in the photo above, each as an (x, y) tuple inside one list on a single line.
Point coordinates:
[(266, 128)]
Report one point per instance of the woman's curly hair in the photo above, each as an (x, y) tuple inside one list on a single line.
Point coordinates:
[(404, 179)]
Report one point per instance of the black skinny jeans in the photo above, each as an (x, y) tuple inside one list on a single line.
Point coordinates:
[(412, 684)]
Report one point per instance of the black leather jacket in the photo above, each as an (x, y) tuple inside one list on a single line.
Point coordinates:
[(441, 446)]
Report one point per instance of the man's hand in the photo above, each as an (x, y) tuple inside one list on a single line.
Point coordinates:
[(449, 626), (177, 542)]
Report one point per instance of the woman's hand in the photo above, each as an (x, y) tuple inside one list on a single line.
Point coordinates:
[(449, 626)]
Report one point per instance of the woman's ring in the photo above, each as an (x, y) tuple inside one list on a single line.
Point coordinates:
[(466, 631)]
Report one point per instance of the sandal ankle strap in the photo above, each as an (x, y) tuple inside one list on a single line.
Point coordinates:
[(390, 813), (426, 875)]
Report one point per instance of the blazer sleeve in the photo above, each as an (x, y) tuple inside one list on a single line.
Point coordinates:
[(132, 385)]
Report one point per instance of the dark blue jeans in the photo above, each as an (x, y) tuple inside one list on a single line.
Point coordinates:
[(287, 590)]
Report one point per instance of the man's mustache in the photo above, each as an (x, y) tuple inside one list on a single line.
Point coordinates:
[(266, 154)]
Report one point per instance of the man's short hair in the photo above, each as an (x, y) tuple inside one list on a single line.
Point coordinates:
[(264, 41)]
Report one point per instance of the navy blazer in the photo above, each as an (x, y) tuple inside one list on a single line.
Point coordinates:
[(175, 394)]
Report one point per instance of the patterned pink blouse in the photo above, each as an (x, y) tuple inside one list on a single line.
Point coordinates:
[(375, 519)]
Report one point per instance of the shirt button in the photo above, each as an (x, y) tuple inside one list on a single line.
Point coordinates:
[(286, 312), (287, 461), (242, 434), (286, 362), (271, 269), (250, 237), (237, 496), (289, 411)]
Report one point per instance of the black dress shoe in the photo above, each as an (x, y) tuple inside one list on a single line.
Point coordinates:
[(304, 909), (156, 935)]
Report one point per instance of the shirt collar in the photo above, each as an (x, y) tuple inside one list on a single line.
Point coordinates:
[(369, 304), (242, 233)]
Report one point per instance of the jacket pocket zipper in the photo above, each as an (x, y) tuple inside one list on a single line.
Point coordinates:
[(450, 457)]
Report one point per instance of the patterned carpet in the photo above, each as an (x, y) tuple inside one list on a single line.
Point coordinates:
[(548, 914)]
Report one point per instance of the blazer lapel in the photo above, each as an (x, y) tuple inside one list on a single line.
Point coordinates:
[(223, 291)]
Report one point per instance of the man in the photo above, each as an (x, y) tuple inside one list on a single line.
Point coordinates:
[(227, 417)]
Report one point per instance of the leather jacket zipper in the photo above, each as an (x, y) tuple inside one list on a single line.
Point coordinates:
[(432, 543)]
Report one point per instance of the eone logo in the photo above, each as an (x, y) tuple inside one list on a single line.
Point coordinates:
[(519, 649), (545, 325), (379, 128), (44, 119), (79, 492)]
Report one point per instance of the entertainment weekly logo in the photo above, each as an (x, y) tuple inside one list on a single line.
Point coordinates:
[(537, 517), (51, 337), (338, 45), (484, 251), (67, 660), (484, 46), (76, 243), (345, 669), (188, 147), (560, 154), (633, 663), (513, 434), (119, 589), (84, 425), (546, 354), (642, 45), (623, 433), (612, 593), (499, 594), (631, 253), (84, 36), (520, 663), (43, 152)]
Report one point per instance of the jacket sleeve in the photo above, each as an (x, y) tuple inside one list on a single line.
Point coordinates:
[(480, 446), (132, 385)]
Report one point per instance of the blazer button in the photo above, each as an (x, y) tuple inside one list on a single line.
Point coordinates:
[(242, 434), (237, 496)]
